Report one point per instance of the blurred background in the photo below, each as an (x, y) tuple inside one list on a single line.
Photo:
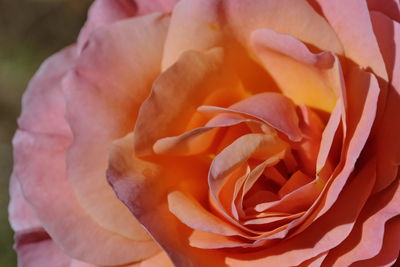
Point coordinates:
[(30, 31)]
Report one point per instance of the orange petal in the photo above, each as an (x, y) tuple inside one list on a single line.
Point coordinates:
[(182, 87), (302, 80), (390, 8), (191, 213), (137, 184), (297, 180)]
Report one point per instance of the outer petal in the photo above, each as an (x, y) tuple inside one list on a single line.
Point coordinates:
[(293, 17), (104, 12), (104, 91), (39, 166), (351, 21), (41, 252)]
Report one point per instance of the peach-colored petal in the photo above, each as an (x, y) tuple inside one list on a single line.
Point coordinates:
[(194, 26), (323, 234), (366, 239), (182, 87), (296, 18), (299, 199), (390, 8), (137, 184), (353, 26), (389, 253), (199, 139), (280, 115), (191, 213), (103, 92), (363, 92), (388, 145), (303, 80)]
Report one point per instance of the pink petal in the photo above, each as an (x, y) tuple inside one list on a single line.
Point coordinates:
[(103, 91), (362, 243), (40, 168), (388, 255), (352, 25), (280, 114), (104, 12), (201, 34), (296, 18), (41, 252), (388, 145)]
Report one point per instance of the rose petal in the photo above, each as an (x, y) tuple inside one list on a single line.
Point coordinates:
[(390, 8), (39, 253), (191, 213), (137, 184), (388, 255), (302, 80), (202, 33), (323, 234), (280, 115), (297, 180), (296, 18), (388, 145), (353, 27), (41, 171), (362, 243), (182, 87), (20, 212), (104, 12), (104, 91)]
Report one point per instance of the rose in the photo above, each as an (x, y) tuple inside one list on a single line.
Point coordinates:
[(251, 133)]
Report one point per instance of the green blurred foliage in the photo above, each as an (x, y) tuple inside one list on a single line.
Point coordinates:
[(30, 31)]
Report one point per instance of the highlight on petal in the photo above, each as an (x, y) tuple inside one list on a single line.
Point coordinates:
[(293, 17), (303, 80), (202, 33), (102, 105)]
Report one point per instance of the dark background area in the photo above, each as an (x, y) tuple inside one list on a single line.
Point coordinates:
[(30, 31)]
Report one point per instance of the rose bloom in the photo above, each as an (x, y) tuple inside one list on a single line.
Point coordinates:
[(214, 133)]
